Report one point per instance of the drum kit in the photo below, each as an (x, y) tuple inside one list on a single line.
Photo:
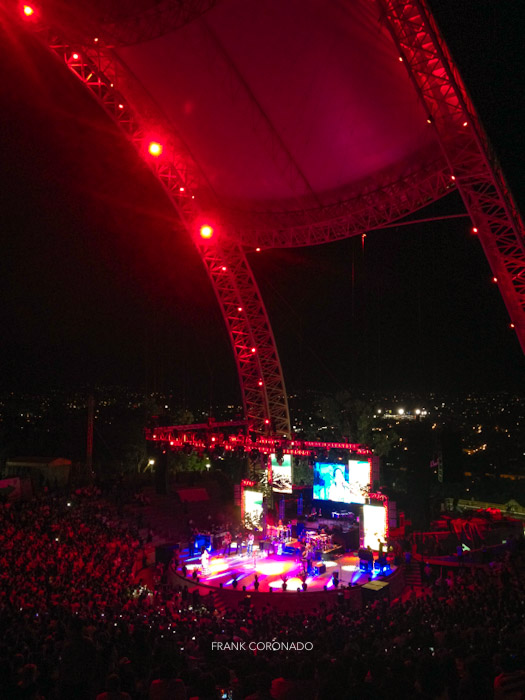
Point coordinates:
[(321, 542)]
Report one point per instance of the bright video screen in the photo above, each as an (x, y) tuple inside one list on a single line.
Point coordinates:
[(281, 474), (253, 510), (358, 479), (374, 526), (331, 482)]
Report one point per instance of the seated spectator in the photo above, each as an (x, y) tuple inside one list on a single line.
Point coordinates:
[(113, 691)]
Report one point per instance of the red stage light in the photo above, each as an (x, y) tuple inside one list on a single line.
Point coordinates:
[(267, 421), (254, 350), (260, 382), (223, 268), (28, 11), (239, 309), (452, 177), (75, 56), (257, 250), (495, 280), (121, 106), (511, 325), (206, 231), (181, 189), (465, 123), (474, 230), (154, 149)]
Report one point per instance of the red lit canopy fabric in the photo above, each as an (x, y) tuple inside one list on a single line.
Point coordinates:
[(287, 105)]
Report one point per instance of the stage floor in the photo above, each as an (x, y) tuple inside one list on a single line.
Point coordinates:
[(271, 567)]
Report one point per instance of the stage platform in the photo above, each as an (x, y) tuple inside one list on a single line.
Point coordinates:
[(223, 571)]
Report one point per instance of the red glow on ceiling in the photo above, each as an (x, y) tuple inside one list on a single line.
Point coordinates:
[(206, 231), (28, 11), (154, 149)]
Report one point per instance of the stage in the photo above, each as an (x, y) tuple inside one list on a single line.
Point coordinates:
[(224, 571)]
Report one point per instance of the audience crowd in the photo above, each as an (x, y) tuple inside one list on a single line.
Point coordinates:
[(79, 624)]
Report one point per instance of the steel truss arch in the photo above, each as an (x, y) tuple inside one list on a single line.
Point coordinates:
[(472, 163), (259, 369), (264, 395), (372, 210)]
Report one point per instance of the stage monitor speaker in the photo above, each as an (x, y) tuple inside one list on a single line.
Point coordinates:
[(319, 568)]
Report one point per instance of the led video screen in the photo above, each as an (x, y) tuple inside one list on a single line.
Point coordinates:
[(374, 526), (331, 482), (281, 473), (252, 509), (358, 479)]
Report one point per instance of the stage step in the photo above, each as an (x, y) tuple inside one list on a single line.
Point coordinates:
[(218, 602), (413, 574)]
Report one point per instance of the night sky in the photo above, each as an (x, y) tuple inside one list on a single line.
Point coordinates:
[(97, 286)]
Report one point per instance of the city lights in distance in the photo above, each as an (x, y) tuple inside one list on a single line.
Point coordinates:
[(206, 231), (155, 149)]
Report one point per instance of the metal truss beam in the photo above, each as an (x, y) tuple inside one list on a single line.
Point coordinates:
[(473, 165), (264, 395), (213, 435), (365, 212), (259, 369)]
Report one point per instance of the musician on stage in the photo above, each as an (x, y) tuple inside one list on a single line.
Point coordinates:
[(227, 544), (205, 560), (251, 540), (308, 557)]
